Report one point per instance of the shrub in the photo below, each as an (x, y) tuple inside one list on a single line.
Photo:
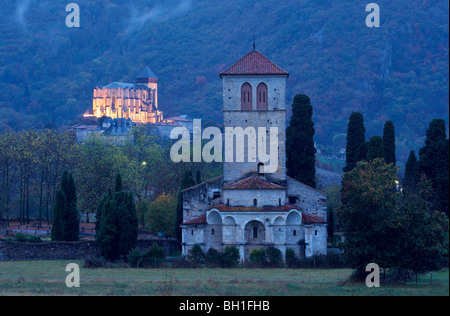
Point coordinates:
[(330, 261), (136, 257), (213, 258), (258, 256), (155, 256), (20, 237), (34, 239), (196, 254), (274, 257), (291, 258), (230, 257)]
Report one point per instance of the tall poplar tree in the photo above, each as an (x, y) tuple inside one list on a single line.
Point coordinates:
[(66, 222), (411, 177), (187, 182), (434, 162), (300, 150), (389, 142), (117, 223), (356, 141), (375, 148)]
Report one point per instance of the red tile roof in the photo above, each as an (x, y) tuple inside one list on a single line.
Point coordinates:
[(283, 208), (309, 219), (198, 220), (253, 183), (254, 63)]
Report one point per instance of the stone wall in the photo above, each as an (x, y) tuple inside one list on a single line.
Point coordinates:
[(12, 251), (15, 251)]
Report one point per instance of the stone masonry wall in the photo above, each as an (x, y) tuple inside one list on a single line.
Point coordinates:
[(15, 251)]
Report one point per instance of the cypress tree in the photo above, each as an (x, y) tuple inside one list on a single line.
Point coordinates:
[(389, 142), (117, 224), (58, 213), (434, 162), (356, 141), (330, 223), (71, 216), (66, 222), (300, 150), (411, 177), (127, 223), (187, 182), (375, 148), (108, 235)]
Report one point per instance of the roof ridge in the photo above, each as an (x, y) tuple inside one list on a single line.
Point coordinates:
[(194, 186), (254, 63), (257, 184)]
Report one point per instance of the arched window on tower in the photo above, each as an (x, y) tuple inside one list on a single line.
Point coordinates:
[(262, 98), (246, 97)]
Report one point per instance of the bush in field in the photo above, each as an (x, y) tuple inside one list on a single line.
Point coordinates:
[(291, 258), (213, 258), (139, 258), (230, 257), (155, 256), (196, 254), (20, 237), (258, 257), (136, 257), (274, 257)]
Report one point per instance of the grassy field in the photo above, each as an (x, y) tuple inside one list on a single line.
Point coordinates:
[(48, 278)]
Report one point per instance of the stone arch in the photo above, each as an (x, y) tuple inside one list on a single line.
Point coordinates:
[(255, 232), (214, 218), (295, 232), (279, 230), (229, 229), (293, 218), (262, 97), (246, 97), (279, 221), (214, 230)]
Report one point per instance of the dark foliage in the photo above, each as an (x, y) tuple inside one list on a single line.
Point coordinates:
[(356, 141), (66, 222), (399, 73), (300, 150), (375, 148), (434, 163), (389, 142)]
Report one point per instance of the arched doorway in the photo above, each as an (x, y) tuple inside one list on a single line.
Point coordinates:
[(255, 236)]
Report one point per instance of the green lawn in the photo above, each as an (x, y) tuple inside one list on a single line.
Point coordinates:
[(48, 278)]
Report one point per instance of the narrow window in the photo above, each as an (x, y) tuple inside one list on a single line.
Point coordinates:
[(255, 202), (315, 232), (294, 233), (279, 201), (262, 99), (260, 169), (246, 97), (192, 232), (255, 232), (213, 232)]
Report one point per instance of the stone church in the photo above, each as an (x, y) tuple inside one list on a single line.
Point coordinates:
[(135, 101), (246, 207)]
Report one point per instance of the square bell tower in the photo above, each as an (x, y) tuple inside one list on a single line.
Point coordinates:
[(254, 96)]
